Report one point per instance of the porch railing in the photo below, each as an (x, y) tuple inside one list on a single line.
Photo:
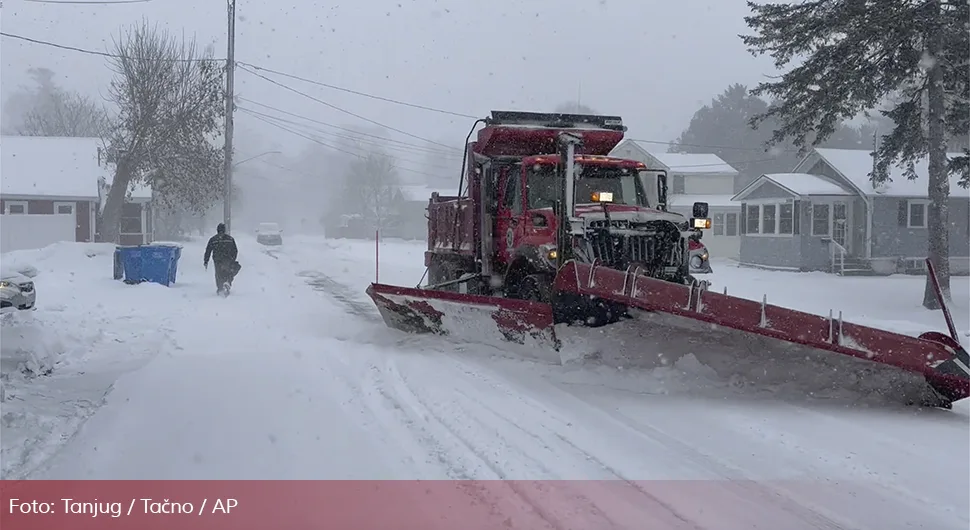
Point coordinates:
[(837, 257)]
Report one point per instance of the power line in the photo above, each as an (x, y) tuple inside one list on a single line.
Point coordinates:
[(461, 115), (358, 116), (102, 54), (725, 147), (335, 148), (359, 93), (364, 144), (317, 140), (404, 147), (276, 118), (383, 146), (447, 153), (284, 168), (442, 111)]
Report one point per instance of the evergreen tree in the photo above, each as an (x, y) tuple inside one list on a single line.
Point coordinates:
[(722, 128), (854, 55)]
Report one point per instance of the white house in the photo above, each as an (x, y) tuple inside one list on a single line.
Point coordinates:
[(696, 177)]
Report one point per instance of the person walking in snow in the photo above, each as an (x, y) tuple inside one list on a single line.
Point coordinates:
[(222, 249)]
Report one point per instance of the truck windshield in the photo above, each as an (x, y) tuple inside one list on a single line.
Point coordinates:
[(625, 186)]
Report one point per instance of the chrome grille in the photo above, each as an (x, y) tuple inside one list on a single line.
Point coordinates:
[(620, 224), (27, 287), (622, 250)]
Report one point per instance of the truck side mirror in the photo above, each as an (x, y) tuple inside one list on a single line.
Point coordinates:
[(700, 210), (662, 190)]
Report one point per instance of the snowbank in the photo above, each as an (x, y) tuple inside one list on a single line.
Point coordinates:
[(58, 361)]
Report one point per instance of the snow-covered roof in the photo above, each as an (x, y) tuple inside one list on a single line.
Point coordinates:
[(45, 166), (807, 184), (694, 163), (856, 164), (797, 184), (418, 193), (714, 201)]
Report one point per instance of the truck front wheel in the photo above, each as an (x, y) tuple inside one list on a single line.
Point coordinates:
[(535, 288)]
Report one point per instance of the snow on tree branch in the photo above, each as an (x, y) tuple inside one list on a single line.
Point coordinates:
[(170, 100)]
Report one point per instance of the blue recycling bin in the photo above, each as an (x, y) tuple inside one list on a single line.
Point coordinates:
[(148, 263)]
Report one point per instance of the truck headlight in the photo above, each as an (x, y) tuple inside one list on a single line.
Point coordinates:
[(549, 254), (701, 224)]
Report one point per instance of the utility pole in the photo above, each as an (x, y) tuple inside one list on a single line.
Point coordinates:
[(230, 69)]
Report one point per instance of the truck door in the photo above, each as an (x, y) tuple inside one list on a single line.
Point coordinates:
[(510, 218), (651, 180)]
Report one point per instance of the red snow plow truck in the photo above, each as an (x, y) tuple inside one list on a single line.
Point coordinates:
[(548, 231)]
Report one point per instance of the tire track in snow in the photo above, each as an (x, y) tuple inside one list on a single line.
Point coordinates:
[(757, 490), (421, 421), (341, 293), (420, 408), (682, 519), (406, 396), (446, 445)]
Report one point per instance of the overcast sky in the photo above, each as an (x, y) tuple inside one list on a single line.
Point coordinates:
[(654, 62)]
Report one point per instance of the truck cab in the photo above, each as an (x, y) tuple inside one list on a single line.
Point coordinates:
[(607, 190), (506, 230)]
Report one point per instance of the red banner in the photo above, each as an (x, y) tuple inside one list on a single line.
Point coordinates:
[(445, 505)]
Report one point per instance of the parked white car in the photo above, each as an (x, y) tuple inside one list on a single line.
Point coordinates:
[(17, 292), (269, 234)]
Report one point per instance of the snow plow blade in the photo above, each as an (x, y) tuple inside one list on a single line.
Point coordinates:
[(939, 358), (465, 316)]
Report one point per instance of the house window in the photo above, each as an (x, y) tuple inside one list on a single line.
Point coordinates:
[(131, 219), (678, 185), (820, 220), (916, 217), (753, 219), (786, 218), (731, 224), (768, 220), (64, 208), (765, 219), (15, 207), (718, 224)]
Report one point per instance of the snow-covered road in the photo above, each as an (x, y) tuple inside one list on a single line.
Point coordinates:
[(295, 377)]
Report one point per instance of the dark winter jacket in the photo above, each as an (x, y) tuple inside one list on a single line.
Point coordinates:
[(222, 249)]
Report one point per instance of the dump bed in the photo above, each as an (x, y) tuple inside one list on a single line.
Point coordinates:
[(451, 225)]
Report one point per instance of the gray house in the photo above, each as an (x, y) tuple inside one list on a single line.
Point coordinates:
[(827, 216)]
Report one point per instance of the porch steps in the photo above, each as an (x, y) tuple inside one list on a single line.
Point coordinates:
[(855, 267)]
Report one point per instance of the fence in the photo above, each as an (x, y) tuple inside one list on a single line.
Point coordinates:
[(30, 231)]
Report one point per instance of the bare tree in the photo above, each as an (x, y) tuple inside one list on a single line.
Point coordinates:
[(371, 188), (49, 110), (170, 101)]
